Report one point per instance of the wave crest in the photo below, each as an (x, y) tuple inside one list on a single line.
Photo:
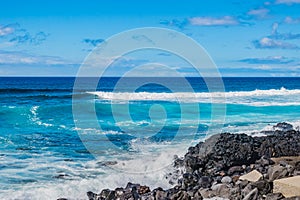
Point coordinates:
[(257, 97)]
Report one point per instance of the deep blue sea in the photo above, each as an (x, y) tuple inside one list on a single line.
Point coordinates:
[(51, 145)]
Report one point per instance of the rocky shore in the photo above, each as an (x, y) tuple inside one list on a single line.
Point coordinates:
[(229, 166)]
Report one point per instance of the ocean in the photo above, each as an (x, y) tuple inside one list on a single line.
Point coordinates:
[(59, 142)]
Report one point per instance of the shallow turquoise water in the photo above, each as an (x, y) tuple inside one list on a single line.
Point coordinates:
[(43, 152)]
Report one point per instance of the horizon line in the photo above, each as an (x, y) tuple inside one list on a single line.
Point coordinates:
[(24, 76)]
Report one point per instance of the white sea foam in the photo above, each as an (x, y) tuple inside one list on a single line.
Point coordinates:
[(136, 123), (91, 176), (76, 189), (259, 128), (296, 124), (10, 107), (97, 131), (34, 117), (6, 140), (272, 97)]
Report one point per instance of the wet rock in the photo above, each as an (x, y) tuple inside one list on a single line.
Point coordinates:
[(61, 176), (92, 196), (107, 195), (119, 191), (160, 193), (283, 126), (143, 189), (104, 193), (107, 163)]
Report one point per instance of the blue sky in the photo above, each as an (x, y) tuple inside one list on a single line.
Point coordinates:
[(244, 38)]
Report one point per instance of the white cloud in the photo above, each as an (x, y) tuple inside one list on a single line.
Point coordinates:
[(272, 44), (6, 30), (264, 67), (267, 60), (22, 58), (261, 12), (13, 34), (210, 21), (290, 20), (268, 42), (274, 28), (289, 2), (153, 70)]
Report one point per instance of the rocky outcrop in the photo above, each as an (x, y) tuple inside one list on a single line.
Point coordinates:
[(221, 152), (231, 166)]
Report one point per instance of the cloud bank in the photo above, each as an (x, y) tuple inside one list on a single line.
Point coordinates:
[(13, 33)]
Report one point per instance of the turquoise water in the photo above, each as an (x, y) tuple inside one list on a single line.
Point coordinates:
[(45, 154)]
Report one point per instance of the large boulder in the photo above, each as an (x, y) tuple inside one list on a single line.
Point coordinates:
[(223, 151), (220, 152)]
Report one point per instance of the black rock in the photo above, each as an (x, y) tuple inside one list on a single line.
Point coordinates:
[(143, 189), (263, 186), (205, 182), (274, 196), (222, 151), (283, 126), (180, 195), (91, 195), (130, 186), (107, 163), (107, 194), (235, 170), (212, 168), (280, 144), (264, 161)]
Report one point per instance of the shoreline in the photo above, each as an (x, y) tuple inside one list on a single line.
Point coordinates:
[(228, 166)]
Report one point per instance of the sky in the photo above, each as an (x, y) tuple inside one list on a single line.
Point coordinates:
[(244, 38)]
